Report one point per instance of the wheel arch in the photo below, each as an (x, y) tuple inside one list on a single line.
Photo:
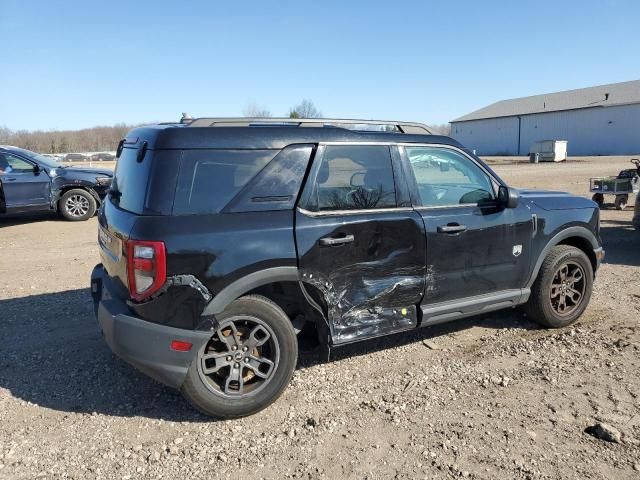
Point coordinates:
[(579, 237), (247, 284), (62, 189)]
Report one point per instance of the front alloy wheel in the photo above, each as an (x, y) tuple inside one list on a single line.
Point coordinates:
[(567, 288), (562, 289), (77, 205)]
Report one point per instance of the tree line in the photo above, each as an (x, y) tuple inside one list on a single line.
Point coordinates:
[(95, 139), (106, 138)]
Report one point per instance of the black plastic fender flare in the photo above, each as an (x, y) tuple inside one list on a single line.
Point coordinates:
[(575, 231), (247, 283)]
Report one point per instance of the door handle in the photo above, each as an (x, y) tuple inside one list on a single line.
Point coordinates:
[(451, 228), (331, 241), (10, 179)]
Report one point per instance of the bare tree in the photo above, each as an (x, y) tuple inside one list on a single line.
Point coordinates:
[(253, 110), (305, 109), (65, 141)]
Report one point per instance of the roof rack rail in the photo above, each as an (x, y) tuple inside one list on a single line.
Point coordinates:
[(367, 125)]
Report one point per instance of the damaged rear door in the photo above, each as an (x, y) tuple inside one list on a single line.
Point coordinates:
[(359, 241)]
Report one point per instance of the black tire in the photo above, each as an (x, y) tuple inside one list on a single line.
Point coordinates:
[(621, 202), (77, 205), (205, 391), (599, 199), (545, 309)]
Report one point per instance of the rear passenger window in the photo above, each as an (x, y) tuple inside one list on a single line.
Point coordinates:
[(354, 177), (209, 179)]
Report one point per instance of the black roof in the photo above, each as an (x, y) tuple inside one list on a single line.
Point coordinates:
[(263, 137)]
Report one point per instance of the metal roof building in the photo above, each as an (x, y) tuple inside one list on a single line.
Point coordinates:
[(602, 120)]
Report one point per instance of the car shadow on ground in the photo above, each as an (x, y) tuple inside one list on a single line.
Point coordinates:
[(11, 220), (311, 354), (56, 358), (621, 243)]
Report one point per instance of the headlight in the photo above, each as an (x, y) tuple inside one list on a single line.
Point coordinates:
[(103, 181)]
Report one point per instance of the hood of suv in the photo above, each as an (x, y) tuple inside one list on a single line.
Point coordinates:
[(87, 170), (550, 200)]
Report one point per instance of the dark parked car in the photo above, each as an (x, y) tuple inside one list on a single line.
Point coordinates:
[(30, 182), (103, 157), (75, 157), (223, 238)]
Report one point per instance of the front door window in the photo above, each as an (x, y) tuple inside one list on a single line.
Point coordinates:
[(446, 178)]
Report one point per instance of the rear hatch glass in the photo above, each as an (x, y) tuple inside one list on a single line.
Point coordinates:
[(145, 187)]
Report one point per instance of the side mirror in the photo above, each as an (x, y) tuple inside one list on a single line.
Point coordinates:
[(36, 169), (508, 197)]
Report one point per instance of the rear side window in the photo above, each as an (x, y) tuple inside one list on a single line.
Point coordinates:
[(354, 177), (277, 185), (209, 179)]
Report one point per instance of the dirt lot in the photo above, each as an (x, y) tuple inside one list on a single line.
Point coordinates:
[(493, 397)]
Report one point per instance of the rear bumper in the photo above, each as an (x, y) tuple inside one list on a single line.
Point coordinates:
[(143, 344)]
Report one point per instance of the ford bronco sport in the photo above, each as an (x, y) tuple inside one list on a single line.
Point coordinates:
[(221, 238)]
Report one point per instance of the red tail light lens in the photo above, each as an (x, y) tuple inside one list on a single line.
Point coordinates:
[(146, 268), (181, 346)]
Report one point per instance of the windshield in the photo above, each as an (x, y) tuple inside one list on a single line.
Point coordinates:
[(46, 161)]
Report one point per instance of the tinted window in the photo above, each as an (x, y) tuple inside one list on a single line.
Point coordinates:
[(276, 187), (446, 177), (17, 165), (354, 177), (130, 181), (162, 181), (209, 179)]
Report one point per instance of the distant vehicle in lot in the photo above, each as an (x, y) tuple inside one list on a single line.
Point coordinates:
[(626, 183), (103, 157), (30, 182), (220, 239), (75, 157)]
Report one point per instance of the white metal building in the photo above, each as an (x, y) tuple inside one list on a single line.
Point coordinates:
[(603, 120)]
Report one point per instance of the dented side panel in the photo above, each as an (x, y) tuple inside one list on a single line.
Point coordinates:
[(371, 285)]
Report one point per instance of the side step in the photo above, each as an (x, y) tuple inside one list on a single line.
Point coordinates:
[(467, 307)]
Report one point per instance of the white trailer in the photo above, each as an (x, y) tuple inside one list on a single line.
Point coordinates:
[(548, 151)]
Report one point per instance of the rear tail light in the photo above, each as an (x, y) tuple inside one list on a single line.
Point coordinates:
[(146, 268)]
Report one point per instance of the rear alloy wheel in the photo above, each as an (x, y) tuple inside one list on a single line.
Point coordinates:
[(77, 205), (621, 202), (562, 289), (240, 358), (247, 363)]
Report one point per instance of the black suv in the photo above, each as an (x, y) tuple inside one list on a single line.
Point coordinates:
[(30, 182), (222, 238)]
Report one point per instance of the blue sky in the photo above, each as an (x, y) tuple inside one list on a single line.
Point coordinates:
[(85, 63)]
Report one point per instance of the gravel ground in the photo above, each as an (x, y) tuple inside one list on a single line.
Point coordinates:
[(493, 397)]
